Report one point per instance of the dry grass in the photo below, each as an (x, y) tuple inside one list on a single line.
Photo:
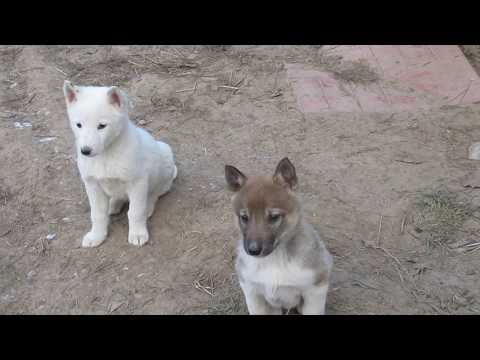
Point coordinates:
[(232, 303), (229, 299), (170, 61), (358, 72), (217, 48), (472, 53), (439, 215)]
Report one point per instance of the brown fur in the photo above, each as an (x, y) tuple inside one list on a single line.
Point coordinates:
[(285, 246), (259, 196), (261, 192)]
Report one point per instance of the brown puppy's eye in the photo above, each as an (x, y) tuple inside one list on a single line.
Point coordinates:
[(101, 126), (244, 217), (274, 217)]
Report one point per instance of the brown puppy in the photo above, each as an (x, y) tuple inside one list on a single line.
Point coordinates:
[(282, 263)]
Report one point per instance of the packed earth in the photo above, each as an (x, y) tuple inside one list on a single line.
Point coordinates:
[(394, 195)]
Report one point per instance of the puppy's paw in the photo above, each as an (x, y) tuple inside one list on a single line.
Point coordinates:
[(92, 240), (138, 237)]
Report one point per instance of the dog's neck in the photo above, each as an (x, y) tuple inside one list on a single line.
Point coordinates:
[(118, 145)]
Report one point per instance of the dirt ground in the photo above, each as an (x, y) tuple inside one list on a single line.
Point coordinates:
[(394, 195)]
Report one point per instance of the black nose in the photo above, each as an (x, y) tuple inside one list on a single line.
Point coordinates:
[(254, 248), (85, 150)]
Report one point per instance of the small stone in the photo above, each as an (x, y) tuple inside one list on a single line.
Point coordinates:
[(51, 236), (46, 139), (474, 151)]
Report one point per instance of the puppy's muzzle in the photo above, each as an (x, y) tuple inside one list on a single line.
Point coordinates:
[(86, 150), (253, 248)]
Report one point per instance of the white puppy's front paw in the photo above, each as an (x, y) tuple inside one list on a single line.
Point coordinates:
[(138, 237), (92, 240)]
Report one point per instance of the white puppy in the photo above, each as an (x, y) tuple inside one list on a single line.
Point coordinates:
[(118, 162)]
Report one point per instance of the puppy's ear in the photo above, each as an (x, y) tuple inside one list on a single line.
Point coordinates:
[(69, 91), (115, 97), (285, 174), (234, 177)]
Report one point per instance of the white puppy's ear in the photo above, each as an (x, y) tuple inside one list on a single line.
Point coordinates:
[(69, 92), (115, 97)]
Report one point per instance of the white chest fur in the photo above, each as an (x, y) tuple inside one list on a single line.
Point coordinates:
[(281, 281), (112, 176)]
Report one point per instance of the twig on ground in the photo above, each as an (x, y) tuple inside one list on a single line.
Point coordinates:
[(402, 226), (192, 89), (134, 63), (61, 71), (379, 231), (466, 91), (229, 87), (409, 162), (152, 61), (31, 98), (207, 289), (6, 233)]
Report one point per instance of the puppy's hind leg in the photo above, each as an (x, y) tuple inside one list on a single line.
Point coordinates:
[(161, 189), (314, 300), (152, 200), (137, 214)]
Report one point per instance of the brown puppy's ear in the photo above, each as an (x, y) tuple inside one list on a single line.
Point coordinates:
[(69, 92), (234, 177), (115, 97), (285, 174)]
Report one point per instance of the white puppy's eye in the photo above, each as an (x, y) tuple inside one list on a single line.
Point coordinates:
[(101, 126), (244, 217), (79, 125)]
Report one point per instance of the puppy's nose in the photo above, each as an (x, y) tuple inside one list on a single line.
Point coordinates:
[(86, 150), (254, 248)]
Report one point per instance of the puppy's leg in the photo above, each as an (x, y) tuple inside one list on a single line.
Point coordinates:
[(314, 300), (160, 190), (99, 215), (137, 214), (256, 303), (116, 205), (152, 199)]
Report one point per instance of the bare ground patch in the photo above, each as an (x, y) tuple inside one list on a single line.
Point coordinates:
[(360, 174)]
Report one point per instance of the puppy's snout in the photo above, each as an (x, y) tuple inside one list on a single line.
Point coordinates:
[(86, 150), (254, 248)]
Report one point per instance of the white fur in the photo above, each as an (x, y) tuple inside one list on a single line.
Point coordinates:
[(126, 162), (275, 282)]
